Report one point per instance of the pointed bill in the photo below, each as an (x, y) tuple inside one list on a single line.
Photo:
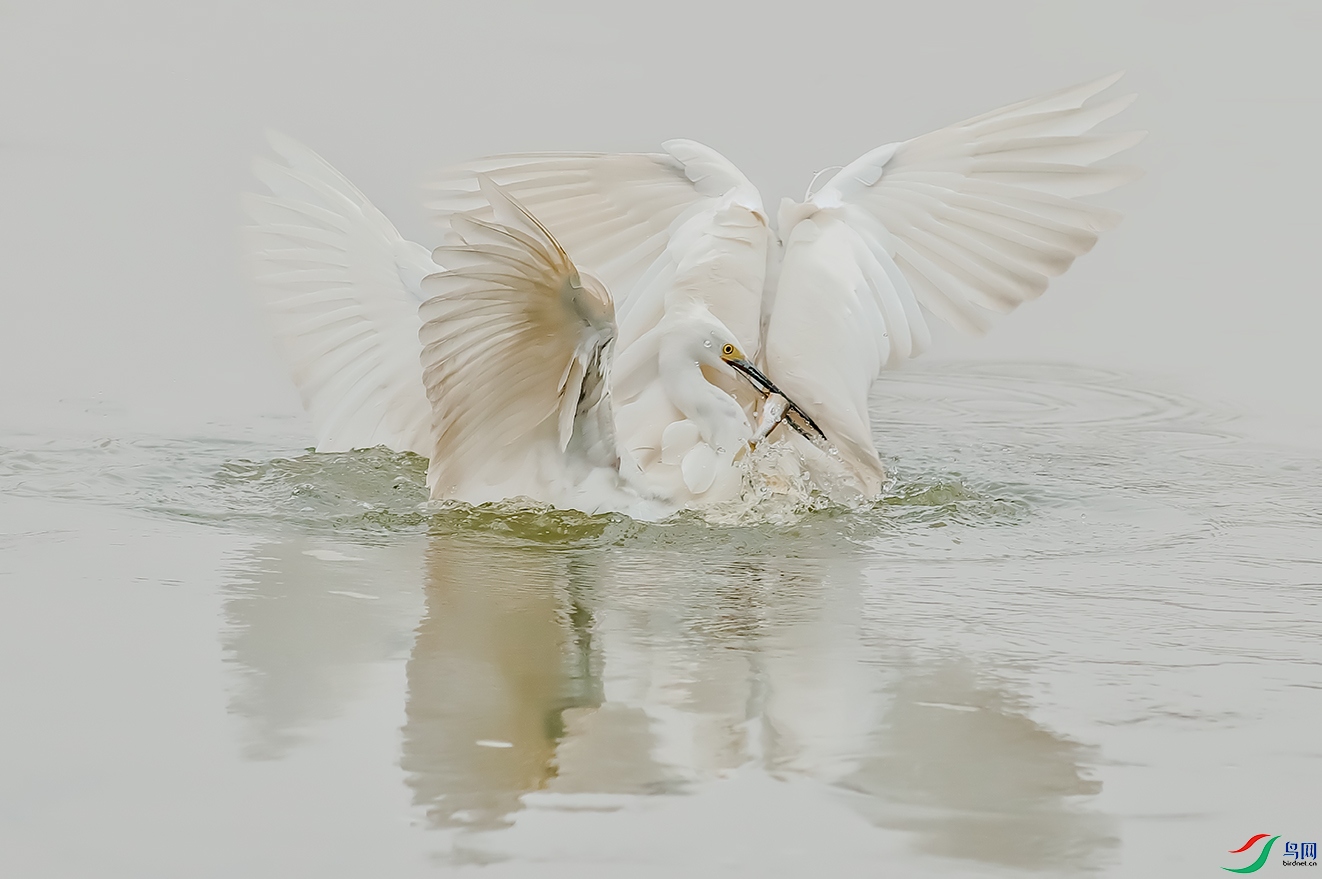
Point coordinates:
[(779, 407)]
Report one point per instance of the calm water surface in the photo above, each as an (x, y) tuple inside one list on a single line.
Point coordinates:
[(1080, 634)]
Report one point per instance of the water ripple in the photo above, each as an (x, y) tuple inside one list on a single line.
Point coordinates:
[(989, 462)]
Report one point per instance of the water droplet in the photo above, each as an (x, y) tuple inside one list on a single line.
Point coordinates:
[(720, 450), (707, 344)]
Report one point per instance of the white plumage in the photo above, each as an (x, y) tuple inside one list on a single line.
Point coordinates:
[(340, 288), (570, 349)]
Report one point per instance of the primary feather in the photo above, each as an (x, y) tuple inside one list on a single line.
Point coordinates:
[(340, 289), (512, 339), (968, 221)]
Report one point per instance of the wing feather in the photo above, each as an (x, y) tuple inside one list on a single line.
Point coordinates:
[(338, 286), (967, 221), (614, 212), (508, 332), (983, 213)]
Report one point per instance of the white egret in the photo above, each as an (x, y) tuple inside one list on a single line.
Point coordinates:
[(601, 330)]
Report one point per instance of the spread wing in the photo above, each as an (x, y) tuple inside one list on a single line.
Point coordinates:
[(613, 211), (339, 288), (510, 333), (664, 231), (963, 222)]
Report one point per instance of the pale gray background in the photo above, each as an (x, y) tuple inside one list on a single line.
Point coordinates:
[(1144, 614), (128, 129)]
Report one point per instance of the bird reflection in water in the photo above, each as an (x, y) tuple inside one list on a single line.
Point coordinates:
[(306, 619), (657, 663), (959, 761), (504, 672)]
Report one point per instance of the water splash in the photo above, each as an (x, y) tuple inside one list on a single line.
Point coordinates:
[(377, 493), (973, 450)]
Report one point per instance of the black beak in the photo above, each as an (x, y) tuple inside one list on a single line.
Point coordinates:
[(794, 416)]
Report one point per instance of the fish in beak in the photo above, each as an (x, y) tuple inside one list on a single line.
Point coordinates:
[(777, 407)]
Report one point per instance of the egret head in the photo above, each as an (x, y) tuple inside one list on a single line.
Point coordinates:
[(719, 349), (713, 346), (785, 410), (788, 410), (731, 355), (695, 336)]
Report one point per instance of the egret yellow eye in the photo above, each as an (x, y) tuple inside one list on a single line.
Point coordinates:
[(727, 351)]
